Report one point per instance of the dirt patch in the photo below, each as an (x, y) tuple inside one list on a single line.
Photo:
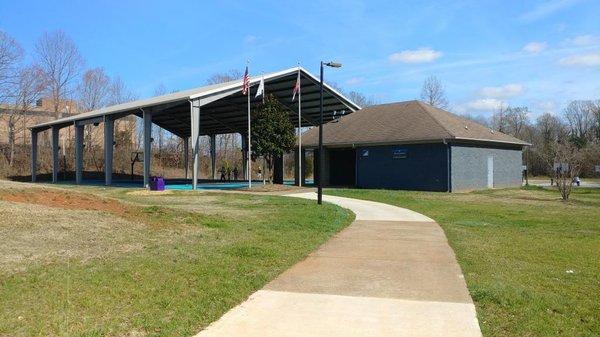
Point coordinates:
[(41, 226), (66, 200)]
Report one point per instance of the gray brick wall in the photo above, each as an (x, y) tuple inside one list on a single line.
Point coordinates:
[(469, 167)]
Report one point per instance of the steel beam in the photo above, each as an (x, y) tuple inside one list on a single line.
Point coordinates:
[(55, 153), (95, 120), (195, 126), (147, 146), (34, 154), (213, 155), (78, 153), (109, 139)]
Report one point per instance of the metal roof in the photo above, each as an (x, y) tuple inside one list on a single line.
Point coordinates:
[(223, 107), (405, 122)]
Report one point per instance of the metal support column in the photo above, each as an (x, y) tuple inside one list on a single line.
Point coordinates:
[(195, 121), (34, 150), (78, 153), (299, 170), (147, 146), (186, 156), (55, 158), (109, 140), (213, 155)]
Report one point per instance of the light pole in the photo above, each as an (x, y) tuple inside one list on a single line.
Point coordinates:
[(321, 154)]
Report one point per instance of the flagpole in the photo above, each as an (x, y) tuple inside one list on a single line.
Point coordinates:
[(249, 135), (300, 175)]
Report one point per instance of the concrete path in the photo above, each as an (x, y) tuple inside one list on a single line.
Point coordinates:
[(390, 273), (546, 183)]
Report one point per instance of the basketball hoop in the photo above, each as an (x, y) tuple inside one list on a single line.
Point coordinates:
[(136, 157)]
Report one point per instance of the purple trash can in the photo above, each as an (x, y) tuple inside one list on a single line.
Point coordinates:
[(157, 184)]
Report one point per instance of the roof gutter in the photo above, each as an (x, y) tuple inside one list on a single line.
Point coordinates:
[(492, 141)]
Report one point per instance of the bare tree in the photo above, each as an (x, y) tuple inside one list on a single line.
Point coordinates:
[(517, 119), (550, 128), (159, 91), (60, 59), (231, 75), (481, 119), (500, 120), (93, 93), (361, 99), (127, 137), (94, 90), (354, 96), (433, 93), (30, 85), (595, 106), (118, 92), (10, 56), (565, 160), (579, 115)]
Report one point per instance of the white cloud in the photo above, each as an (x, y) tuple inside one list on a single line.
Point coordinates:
[(547, 8), (582, 60), (250, 39), (584, 40), (503, 91), (421, 55), (546, 106), (482, 104), (354, 81), (535, 47)]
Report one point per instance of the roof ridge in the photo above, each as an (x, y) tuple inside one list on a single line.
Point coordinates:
[(424, 107)]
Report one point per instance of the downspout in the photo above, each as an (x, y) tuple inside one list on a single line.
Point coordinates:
[(448, 164)]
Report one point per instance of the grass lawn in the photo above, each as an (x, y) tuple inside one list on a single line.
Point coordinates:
[(105, 262), (531, 261)]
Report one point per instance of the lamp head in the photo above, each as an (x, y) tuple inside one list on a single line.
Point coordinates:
[(333, 64)]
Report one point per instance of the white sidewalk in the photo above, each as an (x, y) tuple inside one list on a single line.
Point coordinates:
[(390, 273)]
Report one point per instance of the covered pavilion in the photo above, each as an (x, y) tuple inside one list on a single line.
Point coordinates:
[(208, 110)]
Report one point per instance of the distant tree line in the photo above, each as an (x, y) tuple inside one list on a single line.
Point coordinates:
[(564, 146), (576, 127), (55, 72)]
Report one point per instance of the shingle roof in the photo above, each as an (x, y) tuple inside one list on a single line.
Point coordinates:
[(411, 121)]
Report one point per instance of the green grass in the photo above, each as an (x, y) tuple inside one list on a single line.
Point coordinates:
[(213, 259), (515, 247)]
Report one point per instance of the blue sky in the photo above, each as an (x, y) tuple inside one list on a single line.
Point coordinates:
[(535, 53)]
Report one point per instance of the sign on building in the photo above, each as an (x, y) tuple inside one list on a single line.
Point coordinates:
[(400, 153)]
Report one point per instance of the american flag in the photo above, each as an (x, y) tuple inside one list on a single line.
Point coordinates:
[(246, 82), (296, 87)]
